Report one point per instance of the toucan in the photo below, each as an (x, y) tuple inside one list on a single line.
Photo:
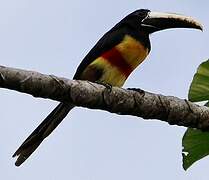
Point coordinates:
[(110, 61)]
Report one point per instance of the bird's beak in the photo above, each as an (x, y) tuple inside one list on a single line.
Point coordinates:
[(156, 21)]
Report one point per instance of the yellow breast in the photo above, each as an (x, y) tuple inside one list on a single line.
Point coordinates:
[(120, 61), (132, 51)]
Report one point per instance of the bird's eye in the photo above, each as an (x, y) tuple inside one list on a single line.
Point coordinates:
[(142, 13)]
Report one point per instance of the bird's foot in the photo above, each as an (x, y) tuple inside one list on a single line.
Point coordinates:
[(108, 86), (136, 89)]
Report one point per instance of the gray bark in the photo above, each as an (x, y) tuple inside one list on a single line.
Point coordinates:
[(136, 102)]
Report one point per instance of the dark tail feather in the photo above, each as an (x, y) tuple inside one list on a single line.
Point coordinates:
[(41, 132)]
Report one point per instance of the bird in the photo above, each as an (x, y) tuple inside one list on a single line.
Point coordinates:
[(113, 58)]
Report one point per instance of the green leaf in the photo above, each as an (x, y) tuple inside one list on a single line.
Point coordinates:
[(195, 142), (199, 89), (195, 146)]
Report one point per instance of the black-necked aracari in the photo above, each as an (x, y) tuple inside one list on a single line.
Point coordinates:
[(110, 61)]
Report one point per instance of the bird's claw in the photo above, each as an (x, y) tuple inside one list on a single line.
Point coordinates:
[(108, 86), (136, 89)]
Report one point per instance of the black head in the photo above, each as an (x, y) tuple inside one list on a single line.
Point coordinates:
[(134, 19)]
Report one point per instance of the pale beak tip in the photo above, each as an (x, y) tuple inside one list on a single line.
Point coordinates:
[(201, 28)]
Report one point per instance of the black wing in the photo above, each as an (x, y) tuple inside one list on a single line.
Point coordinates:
[(108, 41)]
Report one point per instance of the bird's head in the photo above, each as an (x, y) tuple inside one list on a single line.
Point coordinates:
[(155, 21)]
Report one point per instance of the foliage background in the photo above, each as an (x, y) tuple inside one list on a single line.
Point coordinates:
[(52, 37)]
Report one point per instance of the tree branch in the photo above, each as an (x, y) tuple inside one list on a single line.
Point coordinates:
[(136, 102)]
